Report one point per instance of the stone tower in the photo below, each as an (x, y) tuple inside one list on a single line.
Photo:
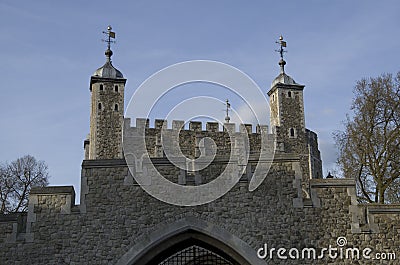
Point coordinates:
[(287, 108), (117, 222), (288, 121), (107, 105)]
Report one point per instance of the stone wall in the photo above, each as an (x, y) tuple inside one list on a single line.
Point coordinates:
[(118, 221), (189, 139), (225, 139), (106, 119)]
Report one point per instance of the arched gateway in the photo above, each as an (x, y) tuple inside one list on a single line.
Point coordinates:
[(190, 241)]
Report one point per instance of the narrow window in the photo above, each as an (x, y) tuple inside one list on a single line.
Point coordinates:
[(273, 98), (289, 94), (101, 87), (99, 106), (116, 88), (116, 107), (291, 132)]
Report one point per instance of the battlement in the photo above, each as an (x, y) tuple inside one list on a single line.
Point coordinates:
[(191, 133), (197, 126), (193, 140)]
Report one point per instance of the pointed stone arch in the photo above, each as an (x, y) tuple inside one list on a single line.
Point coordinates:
[(189, 230)]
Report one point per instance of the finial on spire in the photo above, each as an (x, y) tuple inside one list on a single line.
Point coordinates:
[(110, 35), (281, 51), (228, 106)]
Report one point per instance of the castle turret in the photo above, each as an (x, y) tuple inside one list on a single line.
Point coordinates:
[(107, 86), (288, 121), (287, 108)]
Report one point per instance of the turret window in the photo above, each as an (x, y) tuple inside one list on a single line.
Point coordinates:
[(116, 88), (292, 133), (99, 106), (289, 94), (116, 107), (101, 88)]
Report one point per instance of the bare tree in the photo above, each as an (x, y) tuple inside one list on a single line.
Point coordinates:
[(16, 180), (369, 148)]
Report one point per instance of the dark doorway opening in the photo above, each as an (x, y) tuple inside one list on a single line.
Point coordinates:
[(193, 252)]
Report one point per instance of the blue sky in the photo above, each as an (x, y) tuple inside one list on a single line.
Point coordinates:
[(49, 50)]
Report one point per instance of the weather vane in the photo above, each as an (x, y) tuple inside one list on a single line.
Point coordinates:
[(110, 35), (228, 106), (282, 45)]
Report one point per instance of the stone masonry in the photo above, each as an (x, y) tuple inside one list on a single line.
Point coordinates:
[(117, 222)]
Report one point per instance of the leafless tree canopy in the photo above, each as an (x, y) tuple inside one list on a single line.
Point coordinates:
[(16, 180), (369, 146)]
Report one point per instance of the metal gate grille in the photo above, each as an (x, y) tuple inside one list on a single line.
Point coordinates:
[(195, 255)]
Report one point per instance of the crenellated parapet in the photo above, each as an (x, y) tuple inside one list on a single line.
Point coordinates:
[(340, 194), (191, 139), (46, 205), (48, 202), (12, 226)]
